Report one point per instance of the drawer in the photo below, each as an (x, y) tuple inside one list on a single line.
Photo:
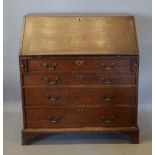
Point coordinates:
[(72, 96), (81, 78), (80, 117), (105, 63)]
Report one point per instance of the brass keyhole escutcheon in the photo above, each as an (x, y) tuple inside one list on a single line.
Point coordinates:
[(79, 62), (80, 111), (79, 76), (80, 92)]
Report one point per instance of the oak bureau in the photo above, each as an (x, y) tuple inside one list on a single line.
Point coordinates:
[(79, 73)]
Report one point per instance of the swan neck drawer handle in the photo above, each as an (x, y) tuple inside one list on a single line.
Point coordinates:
[(113, 65), (52, 82), (53, 98), (50, 67), (54, 119), (107, 119)]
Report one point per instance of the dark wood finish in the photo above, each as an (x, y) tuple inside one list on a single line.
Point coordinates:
[(28, 137), (65, 96), (134, 137), (82, 91), (80, 64), (80, 117), (80, 78)]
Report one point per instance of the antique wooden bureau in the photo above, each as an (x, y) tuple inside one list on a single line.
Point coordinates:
[(79, 73)]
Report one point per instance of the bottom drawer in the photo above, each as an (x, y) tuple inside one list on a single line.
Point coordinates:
[(79, 117)]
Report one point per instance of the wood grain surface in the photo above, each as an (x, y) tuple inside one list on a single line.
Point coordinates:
[(74, 35)]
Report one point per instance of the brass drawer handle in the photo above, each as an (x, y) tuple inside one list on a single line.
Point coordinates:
[(107, 119), (50, 81), (54, 119), (113, 65), (53, 98), (50, 67), (108, 81), (108, 98)]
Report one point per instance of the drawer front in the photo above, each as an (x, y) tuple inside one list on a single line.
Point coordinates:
[(80, 117), (79, 96), (81, 78), (80, 64)]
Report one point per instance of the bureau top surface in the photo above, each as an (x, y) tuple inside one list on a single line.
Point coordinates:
[(98, 34)]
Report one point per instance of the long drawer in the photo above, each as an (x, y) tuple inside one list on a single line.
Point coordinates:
[(80, 78), (80, 117), (105, 63), (79, 96)]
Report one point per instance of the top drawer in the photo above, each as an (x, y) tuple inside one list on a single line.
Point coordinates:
[(106, 63)]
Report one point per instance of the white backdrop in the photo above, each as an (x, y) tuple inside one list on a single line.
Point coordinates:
[(14, 10)]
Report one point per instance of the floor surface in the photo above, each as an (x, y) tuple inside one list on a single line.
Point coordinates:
[(76, 144)]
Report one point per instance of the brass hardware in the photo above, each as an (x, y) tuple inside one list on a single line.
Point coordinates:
[(80, 91), (108, 68), (113, 64), (107, 119), (52, 82), (108, 81), (50, 68), (53, 98), (79, 76), (54, 119), (78, 62), (78, 19), (108, 98), (80, 111)]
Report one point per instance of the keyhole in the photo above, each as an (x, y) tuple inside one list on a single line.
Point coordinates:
[(80, 92), (79, 62), (79, 111), (79, 76)]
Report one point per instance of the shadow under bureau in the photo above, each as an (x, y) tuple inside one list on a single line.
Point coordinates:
[(79, 73)]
